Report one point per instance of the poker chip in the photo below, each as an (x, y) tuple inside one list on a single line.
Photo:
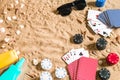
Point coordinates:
[(46, 64), (112, 58), (60, 72), (101, 44), (45, 76), (104, 74), (77, 38)]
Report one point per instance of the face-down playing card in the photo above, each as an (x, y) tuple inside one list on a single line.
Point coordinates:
[(83, 69), (72, 67), (114, 17), (86, 69)]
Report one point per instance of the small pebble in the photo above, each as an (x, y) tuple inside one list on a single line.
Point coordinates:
[(11, 5), (14, 17), (118, 39), (100, 62), (22, 5), (108, 50), (1, 20), (7, 39), (18, 52), (16, 1), (2, 30), (9, 18), (21, 26), (3, 46), (5, 12), (90, 38), (18, 32), (35, 62)]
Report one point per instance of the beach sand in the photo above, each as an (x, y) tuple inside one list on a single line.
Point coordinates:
[(33, 28)]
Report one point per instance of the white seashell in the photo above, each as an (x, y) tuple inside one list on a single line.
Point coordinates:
[(7, 39), (2, 30), (14, 17), (9, 18), (35, 62), (1, 20), (18, 32), (22, 5), (21, 26)]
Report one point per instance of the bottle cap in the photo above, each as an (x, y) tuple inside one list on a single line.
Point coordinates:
[(112, 58)]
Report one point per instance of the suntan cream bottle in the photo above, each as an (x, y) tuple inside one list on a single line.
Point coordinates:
[(8, 58)]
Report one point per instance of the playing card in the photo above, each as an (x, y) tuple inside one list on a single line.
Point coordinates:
[(105, 32), (67, 58), (93, 14), (96, 25), (86, 69), (72, 69), (106, 17), (114, 17), (75, 54), (103, 19)]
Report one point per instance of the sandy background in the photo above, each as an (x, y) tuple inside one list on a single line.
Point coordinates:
[(45, 34)]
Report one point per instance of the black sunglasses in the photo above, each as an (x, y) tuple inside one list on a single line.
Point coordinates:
[(66, 9)]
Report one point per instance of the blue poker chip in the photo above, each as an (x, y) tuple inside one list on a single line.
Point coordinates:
[(60, 72), (45, 76)]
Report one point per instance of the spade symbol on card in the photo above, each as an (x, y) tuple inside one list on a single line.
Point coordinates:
[(81, 54)]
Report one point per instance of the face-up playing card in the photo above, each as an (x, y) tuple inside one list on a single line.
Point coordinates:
[(93, 14), (96, 25), (86, 69), (75, 54)]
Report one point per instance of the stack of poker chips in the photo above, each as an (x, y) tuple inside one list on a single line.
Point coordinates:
[(101, 44), (112, 58), (104, 74)]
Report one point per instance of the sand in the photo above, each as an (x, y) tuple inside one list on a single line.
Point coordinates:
[(38, 32)]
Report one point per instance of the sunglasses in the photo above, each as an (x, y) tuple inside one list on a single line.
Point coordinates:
[(66, 9)]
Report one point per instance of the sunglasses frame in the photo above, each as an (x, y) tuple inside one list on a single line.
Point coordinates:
[(66, 9)]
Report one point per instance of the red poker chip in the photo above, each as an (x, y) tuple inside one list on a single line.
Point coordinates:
[(112, 58)]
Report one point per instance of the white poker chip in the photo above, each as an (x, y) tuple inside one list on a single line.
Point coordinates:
[(46, 64), (60, 72), (45, 76)]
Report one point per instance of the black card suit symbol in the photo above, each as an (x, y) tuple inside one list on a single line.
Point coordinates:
[(81, 54), (105, 33)]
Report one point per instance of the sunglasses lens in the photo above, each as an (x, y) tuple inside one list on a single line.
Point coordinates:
[(65, 9), (79, 5)]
